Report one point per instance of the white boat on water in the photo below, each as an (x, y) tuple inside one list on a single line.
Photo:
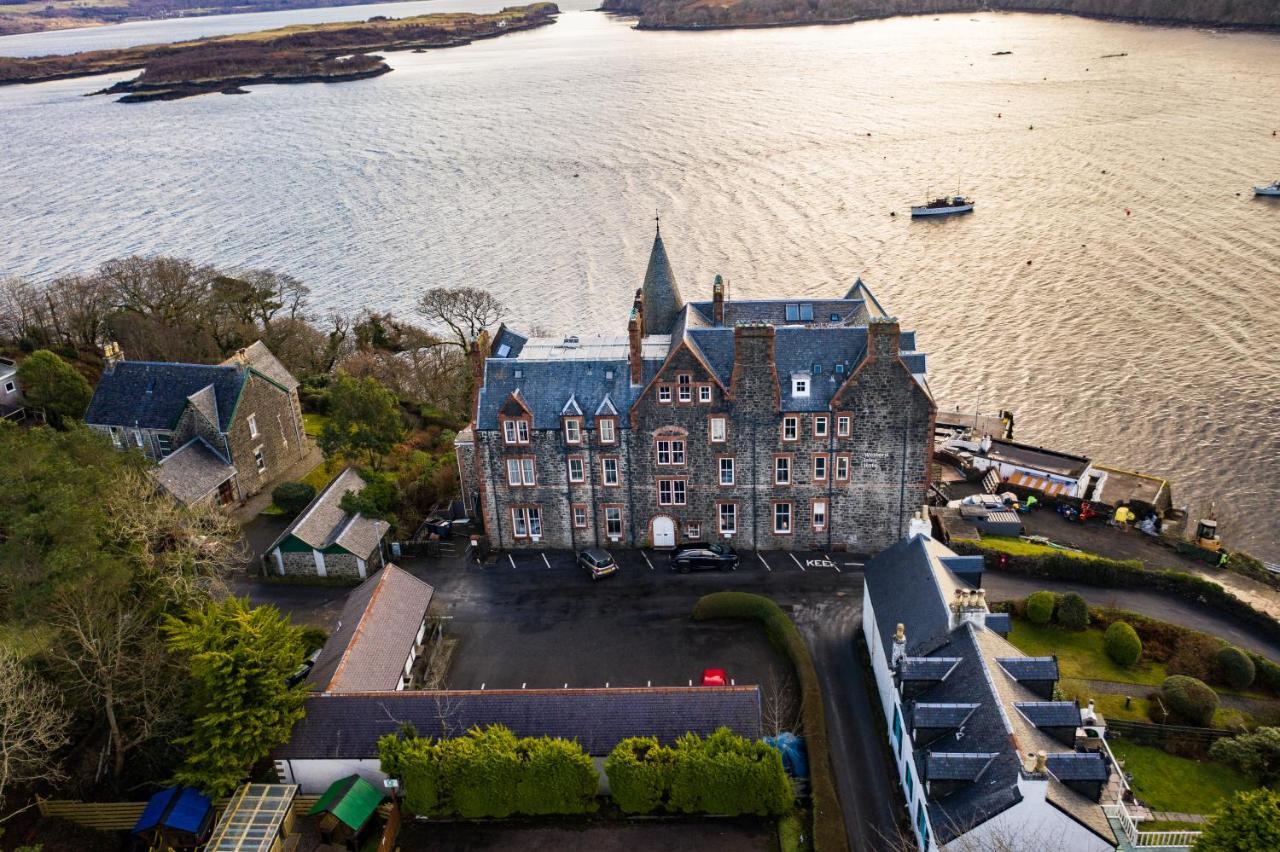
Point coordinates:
[(944, 206), (1272, 188)]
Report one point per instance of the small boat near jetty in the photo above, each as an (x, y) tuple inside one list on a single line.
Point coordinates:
[(1272, 189), (944, 206)]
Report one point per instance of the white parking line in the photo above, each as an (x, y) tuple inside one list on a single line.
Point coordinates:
[(646, 560), (762, 562), (513, 560), (648, 683), (545, 562), (482, 686), (797, 561), (606, 684), (854, 564), (523, 685), (833, 563)]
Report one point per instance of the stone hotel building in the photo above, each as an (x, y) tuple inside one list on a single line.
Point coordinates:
[(794, 424)]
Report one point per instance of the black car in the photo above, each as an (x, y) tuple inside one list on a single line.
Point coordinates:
[(702, 557), (599, 562)]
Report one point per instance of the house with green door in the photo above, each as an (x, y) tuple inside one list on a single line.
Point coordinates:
[(327, 541)]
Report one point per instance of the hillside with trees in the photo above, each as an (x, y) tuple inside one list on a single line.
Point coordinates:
[(695, 14)]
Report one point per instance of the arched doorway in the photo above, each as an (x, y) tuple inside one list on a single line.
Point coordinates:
[(664, 531)]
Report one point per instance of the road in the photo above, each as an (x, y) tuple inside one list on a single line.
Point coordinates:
[(1002, 586), (536, 620)]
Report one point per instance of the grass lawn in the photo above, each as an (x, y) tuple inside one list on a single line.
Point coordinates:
[(1017, 547), (1177, 784), (313, 424), (1081, 654)]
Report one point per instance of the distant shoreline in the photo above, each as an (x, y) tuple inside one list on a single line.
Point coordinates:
[(627, 11)]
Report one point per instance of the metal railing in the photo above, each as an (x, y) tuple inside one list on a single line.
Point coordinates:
[(1180, 839)]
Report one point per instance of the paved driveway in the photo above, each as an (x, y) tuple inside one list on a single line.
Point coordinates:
[(536, 620)]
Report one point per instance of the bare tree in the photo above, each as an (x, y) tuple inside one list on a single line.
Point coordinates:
[(22, 314), (169, 289), (33, 726), (779, 707), (114, 657), (464, 311), (78, 307)]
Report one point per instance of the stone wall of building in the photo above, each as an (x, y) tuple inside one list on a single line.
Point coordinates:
[(277, 435), (296, 563)]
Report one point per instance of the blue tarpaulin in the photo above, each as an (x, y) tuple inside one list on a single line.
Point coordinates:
[(175, 809), (795, 758)]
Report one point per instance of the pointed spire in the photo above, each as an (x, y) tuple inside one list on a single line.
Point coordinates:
[(662, 300)]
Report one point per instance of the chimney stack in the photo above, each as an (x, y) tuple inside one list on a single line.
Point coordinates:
[(1042, 765), (635, 339), (899, 646), (719, 294), (111, 355), (755, 373), (884, 333)]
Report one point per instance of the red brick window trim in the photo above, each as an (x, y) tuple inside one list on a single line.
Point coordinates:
[(842, 467), (844, 425), (820, 425), (821, 462), (573, 430), (726, 469), (704, 393), (577, 468), (819, 515), (664, 394), (522, 471), (783, 522), (612, 515), (610, 472), (673, 492), (718, 429), (783, 470), (727, 518), (791, 428), (669, 452), (685, 386), (580, 516), (515, 430), (607, 429), (526, 522)]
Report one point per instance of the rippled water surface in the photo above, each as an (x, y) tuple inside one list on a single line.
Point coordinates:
[(1118, 286)]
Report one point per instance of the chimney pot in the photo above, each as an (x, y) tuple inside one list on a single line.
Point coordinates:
[(1042, 765)]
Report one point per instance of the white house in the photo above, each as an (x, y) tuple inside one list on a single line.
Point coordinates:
[(987, 759)]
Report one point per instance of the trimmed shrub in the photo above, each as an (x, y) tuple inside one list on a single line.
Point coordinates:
[(490, 773), (293, 497), (1040, 607), (1256, 754), (1195, 655), (1234, 668), (1073, 612), (1268, 673), (1189, 699), (828, 818), (1122, 643), (639, 771)]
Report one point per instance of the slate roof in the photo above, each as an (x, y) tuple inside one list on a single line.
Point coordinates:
[(1050, 714), (1030, 668), (662, 300), (153, 395), (904, 588), (260, 358), (774, 311), (192, 471), (957, 766), (546, 386), (999, 622), (347, 727), (513, 340), (927, 668), (942, 716), (377, 629), (324, 523), (1078, 767)]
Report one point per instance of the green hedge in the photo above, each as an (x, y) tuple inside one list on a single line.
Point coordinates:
[(293, 497), (1040, 607), (1073, 612), (1128, 574), (1235, 668), (725, 774), (828, 820), (490, 773)]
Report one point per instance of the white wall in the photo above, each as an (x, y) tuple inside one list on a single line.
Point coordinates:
[(1033, 824), (315, 776)]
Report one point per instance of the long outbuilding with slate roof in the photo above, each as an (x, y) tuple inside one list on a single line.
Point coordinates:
[(985, 758), (801, 423)]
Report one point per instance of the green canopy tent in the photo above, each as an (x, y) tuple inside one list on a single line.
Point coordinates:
[(346, 808)]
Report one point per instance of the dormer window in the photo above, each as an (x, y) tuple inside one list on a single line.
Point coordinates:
[(608, 430), (806, 313), (793, 313), (515, 431), (800, 385), (504, 350), (686, 387), (573, 430)]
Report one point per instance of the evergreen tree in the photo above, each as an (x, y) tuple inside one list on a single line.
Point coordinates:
[(1247, 822), (239, 658), (364, 419), (53, 386)]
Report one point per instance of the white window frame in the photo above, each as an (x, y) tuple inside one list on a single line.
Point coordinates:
[(670, 452), (819, 508), (579, 517), (573, 430), (844, 424), (777, 515), (526, 522), (704, 393), (606, 425), (582, 469), (782, 470), (791, 427), (259, 459), (605, 465), (522, 431), (693, 531), (10, 387), (719, 425), (821, 459), (820, 425), (800, 385), (664, 394), (731, 469), (685, 384), (732, 514), (164, 441), (612, 516), (137, 439), (842, 468), (673, 492), (253, 425)]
